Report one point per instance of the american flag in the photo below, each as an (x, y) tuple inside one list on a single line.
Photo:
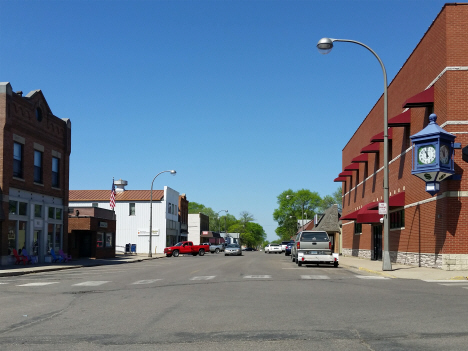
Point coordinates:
[(112, 197)]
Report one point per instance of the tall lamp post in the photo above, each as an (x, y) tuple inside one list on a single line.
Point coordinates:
[(219, 225), (150, 252), (325, 45)]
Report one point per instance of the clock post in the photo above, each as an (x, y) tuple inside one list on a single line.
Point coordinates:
[(433, 149)]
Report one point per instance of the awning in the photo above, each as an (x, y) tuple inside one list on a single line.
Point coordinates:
[(340, 179), (374, 147), (350, 216), (397, 200), (360, 158), (352, 167), (346, 174), (423, 99), (402, 120), (379, 138), (368, 216)]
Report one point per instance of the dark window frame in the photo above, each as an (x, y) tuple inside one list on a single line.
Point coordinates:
[(38, 167), (18, 158)]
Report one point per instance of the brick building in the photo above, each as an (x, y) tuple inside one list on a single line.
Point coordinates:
[(425, 230), (35, 149)]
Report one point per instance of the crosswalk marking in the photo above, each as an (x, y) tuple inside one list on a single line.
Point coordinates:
[(257, 277), (314, 277), (371, 277), (148, 281), (206, 277), (92, 283), (38, 284)]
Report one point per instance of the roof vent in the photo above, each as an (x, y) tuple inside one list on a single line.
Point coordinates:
[(20, 93), (120, 185)]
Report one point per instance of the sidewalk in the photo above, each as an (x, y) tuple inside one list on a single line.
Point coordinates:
[(401, 271), (13, 270)]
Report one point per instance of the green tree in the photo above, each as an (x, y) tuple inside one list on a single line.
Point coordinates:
[(292, 205), (330, 200), (195, 207)]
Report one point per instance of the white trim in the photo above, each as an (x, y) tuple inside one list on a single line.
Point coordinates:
[(438, 197)]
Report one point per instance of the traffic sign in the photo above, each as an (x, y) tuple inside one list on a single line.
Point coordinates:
[(382, 208)]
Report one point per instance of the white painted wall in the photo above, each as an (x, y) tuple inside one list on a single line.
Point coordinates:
[(135, 229)]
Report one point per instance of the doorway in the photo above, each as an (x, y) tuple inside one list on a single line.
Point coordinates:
[(85, 244), (377, 242)]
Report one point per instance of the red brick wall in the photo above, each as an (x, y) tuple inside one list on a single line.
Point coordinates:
[(438, 226)]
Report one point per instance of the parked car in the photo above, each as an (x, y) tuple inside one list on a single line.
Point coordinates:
[(284, 244), (233, 250), (276, 248), (216, 248), (185, 247), (313, 247), (287, 252)]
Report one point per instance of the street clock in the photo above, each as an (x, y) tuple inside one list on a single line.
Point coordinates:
[(433, 150)]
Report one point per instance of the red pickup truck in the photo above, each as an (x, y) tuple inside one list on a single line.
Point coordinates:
[(185, 247)]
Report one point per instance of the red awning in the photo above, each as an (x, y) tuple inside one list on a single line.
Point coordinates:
[(374, 147), (350, 216), (340, 179), (346, 174), (352, 167), (368, 216), (360, 158), (423, 99), (402, 120), (379, 138), (397, 200)]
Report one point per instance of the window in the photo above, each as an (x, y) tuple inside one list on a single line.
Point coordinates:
[(397, 219), (37, 166), (18, 160), (23, 209), (38, 211), (51, 212), (58, 213), (55, 172), (13, 207), (94, 204), (131, 209), (169, 209), (100, 239), (20, 208), (38, 114), (58, 237), (108, 239), (357, 228)]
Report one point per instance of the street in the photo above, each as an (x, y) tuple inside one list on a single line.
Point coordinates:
[(257, 301)]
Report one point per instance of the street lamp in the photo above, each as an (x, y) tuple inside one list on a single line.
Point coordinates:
[(150, 253), (219, 225), (325, 45)]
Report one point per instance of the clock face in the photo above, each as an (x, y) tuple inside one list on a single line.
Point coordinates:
[(444, 154), (426, 154)]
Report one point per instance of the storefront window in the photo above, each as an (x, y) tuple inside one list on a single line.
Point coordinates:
[(22, 235), (11, 236), (58, 237), (50, 237), (51, 212), (108, 239), (100, 239), (58, 213)]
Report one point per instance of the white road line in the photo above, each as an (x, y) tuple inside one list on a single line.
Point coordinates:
[(370, 277), (446, 281), (92, 283), (460, 284), (314, 277), (206, 277), (257, 276), (38, 284), (148, 281)]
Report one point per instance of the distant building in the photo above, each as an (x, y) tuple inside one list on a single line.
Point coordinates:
[(197, 223), (132, 210)]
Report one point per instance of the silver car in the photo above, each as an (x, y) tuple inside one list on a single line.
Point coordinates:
[(233, 250)]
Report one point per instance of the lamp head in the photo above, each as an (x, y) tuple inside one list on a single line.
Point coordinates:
[(325, 45), (173, 172)]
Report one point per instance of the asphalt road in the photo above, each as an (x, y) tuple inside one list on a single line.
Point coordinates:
[(257, 301)]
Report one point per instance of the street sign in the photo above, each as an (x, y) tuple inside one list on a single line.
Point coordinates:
[(382, 208)]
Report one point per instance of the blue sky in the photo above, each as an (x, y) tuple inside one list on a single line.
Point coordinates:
[(233, 95)]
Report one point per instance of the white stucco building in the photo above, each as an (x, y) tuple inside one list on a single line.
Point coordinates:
[(132, 210)]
